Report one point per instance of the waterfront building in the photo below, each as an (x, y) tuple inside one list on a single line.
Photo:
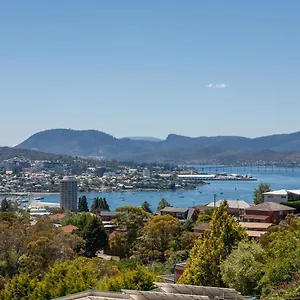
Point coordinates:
[(146, 173), (68, 193), (282, 196)]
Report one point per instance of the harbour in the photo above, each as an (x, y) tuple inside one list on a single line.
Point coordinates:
[(279, 178)]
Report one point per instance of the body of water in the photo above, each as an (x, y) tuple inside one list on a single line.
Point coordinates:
[(279, 178)]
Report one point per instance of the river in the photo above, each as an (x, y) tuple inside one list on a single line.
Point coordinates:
[(279, 178)]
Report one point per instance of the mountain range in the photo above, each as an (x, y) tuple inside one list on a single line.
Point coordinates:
[(174, 149)]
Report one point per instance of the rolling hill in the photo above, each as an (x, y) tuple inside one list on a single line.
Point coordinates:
[(175, 148)]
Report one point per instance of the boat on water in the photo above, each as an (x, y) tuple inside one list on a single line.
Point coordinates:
[(38, 198)]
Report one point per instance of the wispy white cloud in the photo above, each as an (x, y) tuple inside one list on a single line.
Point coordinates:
[(217, 85)]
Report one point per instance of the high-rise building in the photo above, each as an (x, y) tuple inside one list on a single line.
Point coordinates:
[(146, 173), (68, 193)]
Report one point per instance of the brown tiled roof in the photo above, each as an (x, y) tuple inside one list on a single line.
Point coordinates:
[(57, 216), (254, 233), (256, 225), (202, 226), (255, 217), (69, 228), (270, 206)]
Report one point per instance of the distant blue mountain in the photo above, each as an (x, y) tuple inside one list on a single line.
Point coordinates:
[(174, 148), (144, 138)]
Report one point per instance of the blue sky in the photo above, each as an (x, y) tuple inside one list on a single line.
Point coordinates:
[(149, 68)]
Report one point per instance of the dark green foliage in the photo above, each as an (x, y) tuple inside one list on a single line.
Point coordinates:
[(82, 204), (244, 267), (293, 204), (130, 219), (99, 204), (258, 196), (205, 217), (162, 204), (146, 207), (91, 229), (175, 258), (6, 205)]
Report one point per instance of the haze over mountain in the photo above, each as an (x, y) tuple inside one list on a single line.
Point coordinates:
[(175, 148)]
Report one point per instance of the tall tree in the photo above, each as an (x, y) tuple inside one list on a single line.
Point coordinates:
[(162, 204), (243, 268), (99, 204), (146, 207), (6, 205), (258, 194), (209, 251), (82, 204), (131, 220), (91, 229), (159, 231)]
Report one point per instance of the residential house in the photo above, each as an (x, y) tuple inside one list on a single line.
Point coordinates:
[(200, 228), (282, 196), (255, 229), (107, 216), (268, 212), (235, 207), (182, 214), (69, 228)]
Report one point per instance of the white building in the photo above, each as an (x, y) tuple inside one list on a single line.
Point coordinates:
[(282, 196), (146, 173), (68, 193)]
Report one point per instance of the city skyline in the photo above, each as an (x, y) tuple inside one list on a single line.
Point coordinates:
[(149, 69)]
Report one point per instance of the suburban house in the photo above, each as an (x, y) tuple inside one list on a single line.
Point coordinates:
[(282, 196), (235, 207), (200, 228), (255, 229), (69, 228), (182, 214), (57, 217), (268, 212), (178, 270), (107, 216), (162, 291)]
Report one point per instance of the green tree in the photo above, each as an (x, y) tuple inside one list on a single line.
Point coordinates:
[(243, 268), (159, 231), (258, 194), (162, 204), (20, 287), (146, 207), (82, 204), (91, 229), (138, 279), (99, 204), (209, 251), (282, 248), (73, 276), (6, 205), (118, 244), (204, 217), (175, 258), (130, 219)]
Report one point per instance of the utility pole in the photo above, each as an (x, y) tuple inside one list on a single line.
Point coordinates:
[(215, 196)]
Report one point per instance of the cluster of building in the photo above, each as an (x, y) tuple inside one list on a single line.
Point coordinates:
[(20, 175)]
